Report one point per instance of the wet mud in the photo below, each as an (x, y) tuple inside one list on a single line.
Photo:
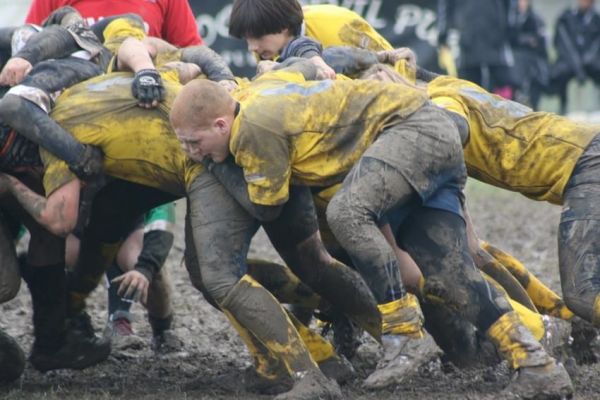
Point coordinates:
[(212, 364)]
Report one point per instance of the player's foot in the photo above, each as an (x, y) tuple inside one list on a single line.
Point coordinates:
[(312, 385), (403, 355)]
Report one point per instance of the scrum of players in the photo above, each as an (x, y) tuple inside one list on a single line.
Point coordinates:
[(350, 156)]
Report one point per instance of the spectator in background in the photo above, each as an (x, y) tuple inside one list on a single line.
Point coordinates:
[(528, 40), (171, 20), (577, 42), (485, 54)]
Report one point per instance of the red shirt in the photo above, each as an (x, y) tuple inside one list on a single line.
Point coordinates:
[(171, 20)]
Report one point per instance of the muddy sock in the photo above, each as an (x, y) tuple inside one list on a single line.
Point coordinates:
[(47, 285), (159, 325), (116, 304)]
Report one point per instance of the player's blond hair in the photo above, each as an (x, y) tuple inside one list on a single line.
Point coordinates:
[(199, 103)]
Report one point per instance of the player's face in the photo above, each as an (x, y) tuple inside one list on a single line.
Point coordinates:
[(211, 141), (268, 46)]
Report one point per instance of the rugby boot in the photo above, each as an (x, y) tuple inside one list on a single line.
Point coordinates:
[(79, 351), (312, 385), (406, 345), (164, 338), (537, 375), (12, 359), (119, 332), (557, 334)]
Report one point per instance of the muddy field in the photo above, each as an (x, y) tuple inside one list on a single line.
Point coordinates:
[(212, 365)]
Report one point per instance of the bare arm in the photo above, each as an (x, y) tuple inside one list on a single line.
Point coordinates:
[(58, 213), (135, 55)]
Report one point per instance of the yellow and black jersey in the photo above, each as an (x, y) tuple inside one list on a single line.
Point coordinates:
[(139, 144), (511, 146), (310, 133)]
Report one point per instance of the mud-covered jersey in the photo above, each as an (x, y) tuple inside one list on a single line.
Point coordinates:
[(310, 133), (139, 144), (511, 146), (338, 26)]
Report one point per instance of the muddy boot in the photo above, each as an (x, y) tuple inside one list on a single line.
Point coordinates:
[(164, 339), (78, 352), (119, 332), (56, 346), (406, 346), (312, 385), (537, 374), (12, 359), (557, 334), (322, 351)]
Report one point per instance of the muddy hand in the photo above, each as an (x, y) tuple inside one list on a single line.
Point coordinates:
[(393, 56), (265, 66), (133, 285), (324, 71), (14, 71)]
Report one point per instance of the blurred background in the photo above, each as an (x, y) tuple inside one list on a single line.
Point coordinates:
[(412, 23)]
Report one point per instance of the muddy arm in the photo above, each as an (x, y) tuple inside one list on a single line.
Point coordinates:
[(232, 177), (211, 63), (6, 37), (349, 60), (52, 42), (58, 213), (302, 65)]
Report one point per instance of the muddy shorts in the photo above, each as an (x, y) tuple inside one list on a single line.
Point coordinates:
[(426, 150), (411, 162), (579, 235)]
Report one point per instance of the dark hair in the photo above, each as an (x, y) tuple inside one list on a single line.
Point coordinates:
[(257, 18)]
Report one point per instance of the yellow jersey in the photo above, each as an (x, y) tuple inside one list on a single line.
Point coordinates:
[(310, 133), (510, 145), (139, 144), (338, 26)]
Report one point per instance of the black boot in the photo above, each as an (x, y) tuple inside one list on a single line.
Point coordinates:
[(56, 346), (12, 359)]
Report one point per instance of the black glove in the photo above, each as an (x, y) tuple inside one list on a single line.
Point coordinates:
[(147, 87)]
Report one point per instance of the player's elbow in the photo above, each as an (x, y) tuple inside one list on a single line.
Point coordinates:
[(61, 228), (59, 224)]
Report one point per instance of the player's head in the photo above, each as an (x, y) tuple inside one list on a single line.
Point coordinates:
[(202, 115), (266, 25)]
